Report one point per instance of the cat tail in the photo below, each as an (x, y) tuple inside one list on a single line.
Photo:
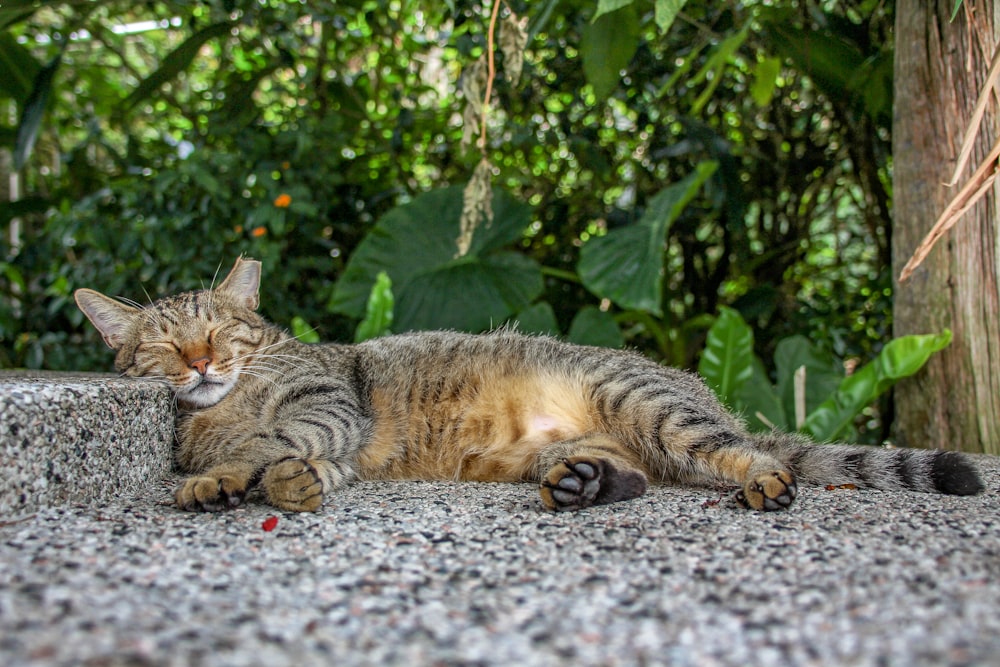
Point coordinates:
[(926, 470)]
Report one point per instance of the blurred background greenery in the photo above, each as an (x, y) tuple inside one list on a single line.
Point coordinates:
[(657, 159)]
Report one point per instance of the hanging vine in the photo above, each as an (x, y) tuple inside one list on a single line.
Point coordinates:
[(477, 89)]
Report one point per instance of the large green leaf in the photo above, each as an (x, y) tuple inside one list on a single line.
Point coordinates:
[(823, 374), (415, 245), (176, 62), (469, 294), (607, 46), (837, 65), (900, 358), (34, 111), (593, 326), (827, 58), (626, 264), (758, 402), (727, 360), (19, 69), (538, 318)]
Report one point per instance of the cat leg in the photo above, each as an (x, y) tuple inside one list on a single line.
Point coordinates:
[(594, 469), (220, 488), (299, 484), (294, 484), (767, 483)]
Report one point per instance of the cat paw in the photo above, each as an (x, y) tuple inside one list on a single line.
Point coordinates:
[(774, 490), (580, 481), (294, 485), (210, 493)]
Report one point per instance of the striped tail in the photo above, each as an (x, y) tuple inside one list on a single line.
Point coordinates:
[(929, 471)]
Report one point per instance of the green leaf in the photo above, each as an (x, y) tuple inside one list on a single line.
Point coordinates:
[(827, 58), (759, 403), (900, 358), (716, 63), (304, 332), (538, 318), (593, 326), (954, 11), (626, 264), (823, 374), (607, 46), (608, 6), (469, 295), (726, 362), (837, 65), (176, 62), (415, 245), (34, 111), (666, 11), (19, 67), (765, 80), (378, 313)]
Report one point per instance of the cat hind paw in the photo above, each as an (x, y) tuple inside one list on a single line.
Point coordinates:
[(581, 481), (767, 492)]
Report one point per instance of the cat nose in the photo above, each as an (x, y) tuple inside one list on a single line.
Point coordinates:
[(200, 365)]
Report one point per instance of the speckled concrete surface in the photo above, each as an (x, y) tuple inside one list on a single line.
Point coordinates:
[(78, 438), (477, 574)]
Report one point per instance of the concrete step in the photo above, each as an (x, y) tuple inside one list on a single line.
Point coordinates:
[(67, 438)]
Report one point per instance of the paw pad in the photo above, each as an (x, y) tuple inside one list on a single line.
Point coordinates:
[(770, 491)]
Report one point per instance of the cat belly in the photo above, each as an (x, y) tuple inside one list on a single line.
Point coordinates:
[(493, 434)]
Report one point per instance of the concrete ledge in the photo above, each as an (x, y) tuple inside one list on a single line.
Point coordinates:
[(79, 438)]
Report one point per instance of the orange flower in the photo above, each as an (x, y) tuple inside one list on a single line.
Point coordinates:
[(283, 200), (258, 232)]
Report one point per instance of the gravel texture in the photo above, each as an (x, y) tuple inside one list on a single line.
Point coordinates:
[(417, 573), (117, 432)]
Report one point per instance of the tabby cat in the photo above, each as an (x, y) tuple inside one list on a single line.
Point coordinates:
[(256, 407)]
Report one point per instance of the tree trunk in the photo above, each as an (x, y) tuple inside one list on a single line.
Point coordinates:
[(940, 67)]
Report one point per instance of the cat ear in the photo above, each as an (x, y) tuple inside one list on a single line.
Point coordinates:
[(110, 317), (243, 282)]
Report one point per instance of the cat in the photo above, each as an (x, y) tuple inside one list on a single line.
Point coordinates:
[(258, 408)]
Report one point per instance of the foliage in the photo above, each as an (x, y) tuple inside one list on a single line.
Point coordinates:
[(826, 404), (725, 153), (378, 312)]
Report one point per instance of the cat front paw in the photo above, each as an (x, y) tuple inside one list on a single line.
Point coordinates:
[(211, 493), (295, 485), (770, 491)]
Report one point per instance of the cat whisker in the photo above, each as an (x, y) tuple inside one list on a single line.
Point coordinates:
[(259, 376), (261, 369), (216, 275), (134, 304), (289, 359)]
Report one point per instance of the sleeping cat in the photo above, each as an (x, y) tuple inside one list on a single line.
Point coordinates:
[(591, 425)]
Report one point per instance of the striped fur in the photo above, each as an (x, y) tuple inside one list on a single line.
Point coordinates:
[(591, 425)]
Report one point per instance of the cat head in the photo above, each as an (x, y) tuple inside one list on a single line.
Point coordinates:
[(197, 342)]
